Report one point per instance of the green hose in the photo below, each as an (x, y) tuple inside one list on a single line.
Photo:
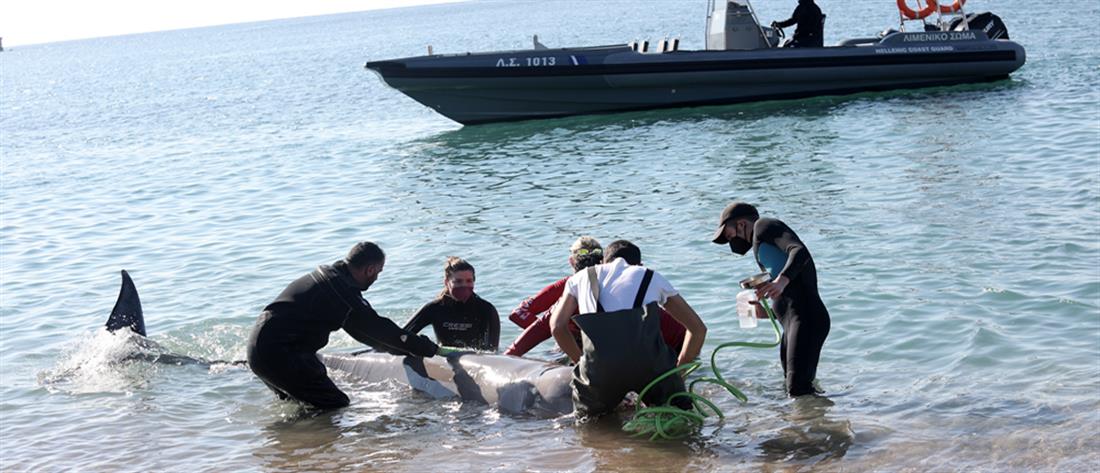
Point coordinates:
[(669, 422)]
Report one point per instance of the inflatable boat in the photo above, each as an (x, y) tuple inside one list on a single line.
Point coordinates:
[(743, 61)]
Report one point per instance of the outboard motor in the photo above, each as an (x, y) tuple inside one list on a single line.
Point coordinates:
[(735, 27), (992, 25)]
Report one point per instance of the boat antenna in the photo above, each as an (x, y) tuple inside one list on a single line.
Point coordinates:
[(710, 12)]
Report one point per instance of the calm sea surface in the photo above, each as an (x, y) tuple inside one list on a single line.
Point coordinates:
[(956, 233)]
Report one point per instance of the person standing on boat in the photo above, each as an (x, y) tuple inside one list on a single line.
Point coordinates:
[(282, 348), (622, 349), (811, 25), (793, 288), (460, 318)]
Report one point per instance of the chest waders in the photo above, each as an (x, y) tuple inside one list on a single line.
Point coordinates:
[(668, 422)]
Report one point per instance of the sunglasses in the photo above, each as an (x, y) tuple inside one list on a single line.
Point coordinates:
[(585, 251)]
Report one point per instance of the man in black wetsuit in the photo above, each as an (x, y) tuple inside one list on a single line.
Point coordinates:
[(459, 316), (810, 32), (282, 349), (793, 288)]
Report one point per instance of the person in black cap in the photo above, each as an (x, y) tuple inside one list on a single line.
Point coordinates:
[(793, 288), (811, 25), (282, 349)]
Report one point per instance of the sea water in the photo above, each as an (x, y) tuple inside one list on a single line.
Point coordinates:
[(955, 232)]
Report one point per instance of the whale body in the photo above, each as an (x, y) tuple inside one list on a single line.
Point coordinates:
[(512, 384)]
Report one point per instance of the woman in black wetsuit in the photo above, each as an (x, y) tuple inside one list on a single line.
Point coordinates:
[(459, 317), (793, 287)]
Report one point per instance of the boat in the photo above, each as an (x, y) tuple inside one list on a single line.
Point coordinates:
[(743, 61)]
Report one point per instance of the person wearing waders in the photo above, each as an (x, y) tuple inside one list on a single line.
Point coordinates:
[(793, 288), (282, 349), (622, 350)]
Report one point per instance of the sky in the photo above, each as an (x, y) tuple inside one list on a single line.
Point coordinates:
[(47, 21)]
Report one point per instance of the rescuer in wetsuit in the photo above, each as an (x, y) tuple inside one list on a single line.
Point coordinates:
[(793, 287), (282, 349), (811, 28), (459, 317)]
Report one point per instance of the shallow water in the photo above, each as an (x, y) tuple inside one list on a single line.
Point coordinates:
[(954, 229)]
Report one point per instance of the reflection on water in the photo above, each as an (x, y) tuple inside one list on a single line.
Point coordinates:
[(289, 444), (728, 117), (811, 436), (612, 450)]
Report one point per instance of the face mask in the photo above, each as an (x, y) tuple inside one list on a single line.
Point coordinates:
[(740, 246), (462, 294)]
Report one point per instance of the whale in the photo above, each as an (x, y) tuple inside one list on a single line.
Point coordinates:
[(512, 384), (127, 315)]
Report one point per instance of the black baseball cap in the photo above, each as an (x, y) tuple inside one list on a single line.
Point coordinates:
[(734, 210)]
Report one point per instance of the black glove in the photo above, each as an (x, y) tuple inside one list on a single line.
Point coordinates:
[(421, 345)]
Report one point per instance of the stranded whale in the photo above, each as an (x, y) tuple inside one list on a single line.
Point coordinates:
[(512, 384)]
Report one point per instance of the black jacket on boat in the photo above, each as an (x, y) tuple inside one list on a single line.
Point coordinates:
[(810, 32), (321, 302)]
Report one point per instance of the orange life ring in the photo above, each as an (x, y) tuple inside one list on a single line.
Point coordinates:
[(953, 8), (924, 12)]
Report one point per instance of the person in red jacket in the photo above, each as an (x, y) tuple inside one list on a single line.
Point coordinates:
[(533, 314)]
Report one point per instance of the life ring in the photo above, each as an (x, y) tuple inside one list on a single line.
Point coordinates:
[(922, 13), (958, 5)]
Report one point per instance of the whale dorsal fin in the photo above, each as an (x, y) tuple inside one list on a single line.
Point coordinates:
[(127, 312)]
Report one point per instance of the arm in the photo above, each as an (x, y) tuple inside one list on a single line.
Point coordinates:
[(494, 328), (522, 314), (559, 326), (798, 256), (790, 21), (696, 334), (525, 314), (366, 326), (533, 335), (421, 319)]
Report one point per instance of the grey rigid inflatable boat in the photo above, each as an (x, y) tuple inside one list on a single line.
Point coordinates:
[(743, 62)]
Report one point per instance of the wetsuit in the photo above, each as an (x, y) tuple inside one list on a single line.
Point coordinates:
[(282, 349), (799, 308), (534, 315), (810, 32), (473, 324)]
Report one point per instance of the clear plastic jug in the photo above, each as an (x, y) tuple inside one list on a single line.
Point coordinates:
[(746, 310)]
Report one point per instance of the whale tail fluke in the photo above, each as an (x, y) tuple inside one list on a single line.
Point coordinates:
[(127, 312)]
